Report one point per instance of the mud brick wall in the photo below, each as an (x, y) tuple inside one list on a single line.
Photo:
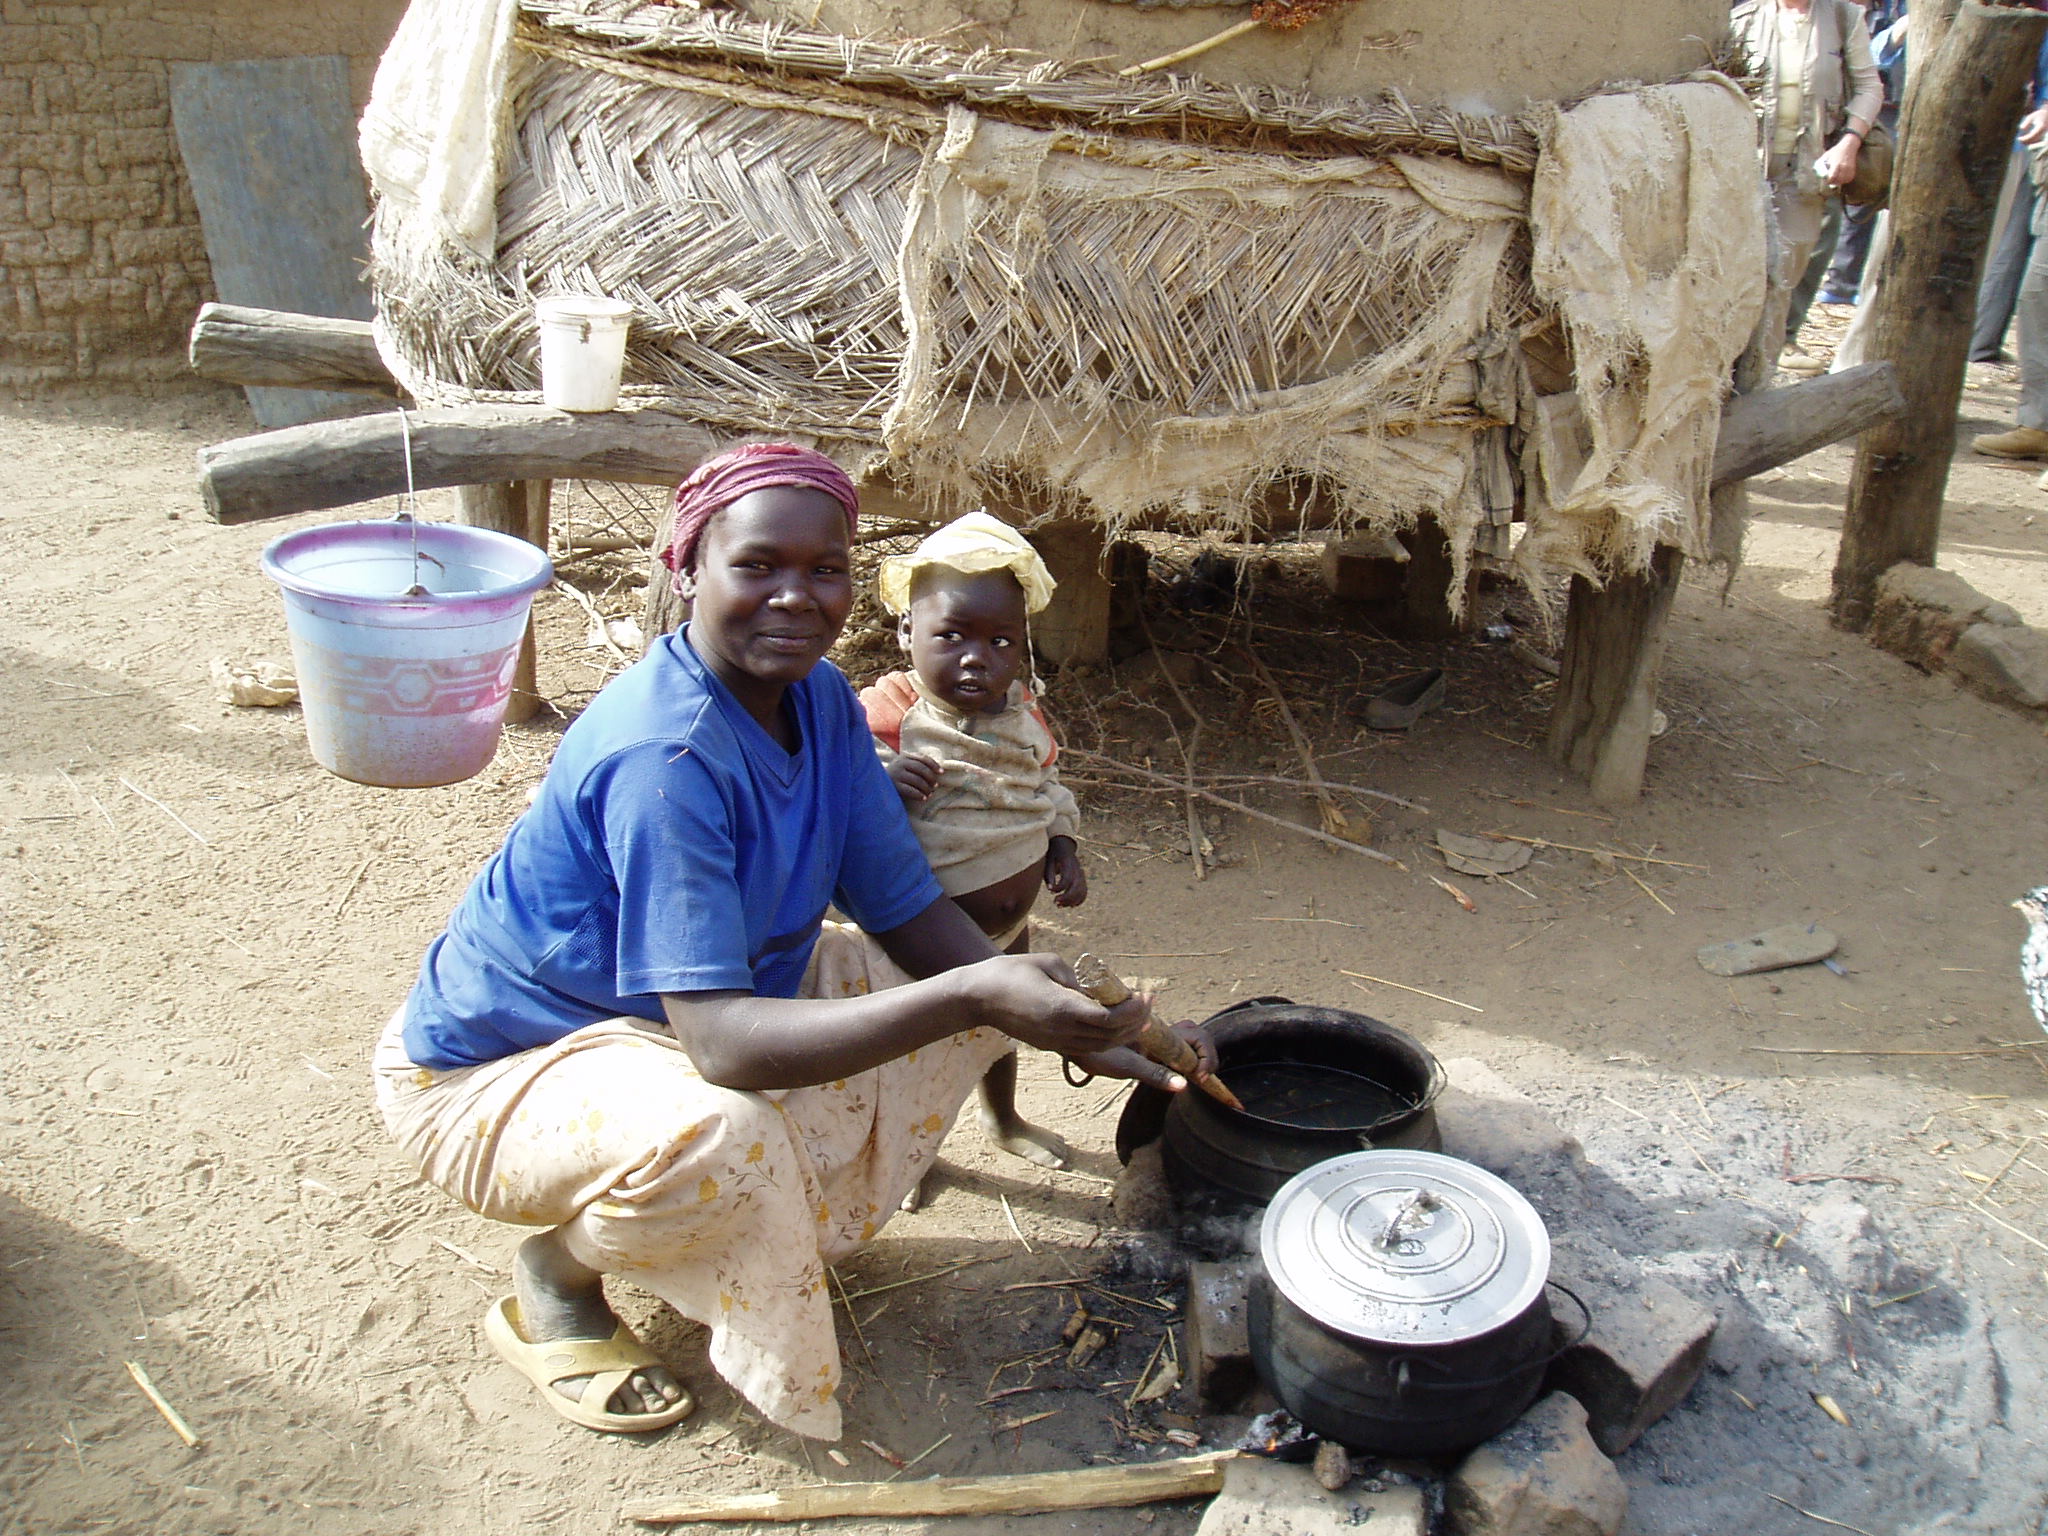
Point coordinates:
[(102, 263)]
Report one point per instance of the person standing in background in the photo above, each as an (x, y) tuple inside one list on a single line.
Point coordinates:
[(2013, 244), (1821, 92)]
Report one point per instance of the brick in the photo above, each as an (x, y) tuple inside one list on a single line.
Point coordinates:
[(1647, 1345), (1368, 568), (61, 154), (1219, 1350), (1542, 1476), (119, 202), (1280, 1498), (155, 247), (2010, 663)]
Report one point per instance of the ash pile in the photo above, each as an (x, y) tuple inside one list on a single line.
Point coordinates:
[(1695, 1348)]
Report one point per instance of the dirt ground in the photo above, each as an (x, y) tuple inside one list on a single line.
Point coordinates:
[(203, 932)]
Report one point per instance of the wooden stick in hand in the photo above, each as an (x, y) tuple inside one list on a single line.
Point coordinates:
[(1159, 1042)]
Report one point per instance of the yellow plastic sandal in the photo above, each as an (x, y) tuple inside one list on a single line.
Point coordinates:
[(607, 1362)]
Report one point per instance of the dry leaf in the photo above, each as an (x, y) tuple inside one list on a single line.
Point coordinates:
[(1163, 1381)]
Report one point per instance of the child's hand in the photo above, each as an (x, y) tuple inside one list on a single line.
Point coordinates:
[(1064, 876), (914, 777)]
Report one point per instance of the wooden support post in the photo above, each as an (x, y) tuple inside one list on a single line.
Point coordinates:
[(1962, 101), (1774, 426), (520, 508), (1426, 590), (1074, 628), (1607, 683)]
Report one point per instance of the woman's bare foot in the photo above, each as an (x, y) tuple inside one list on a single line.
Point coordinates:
[(1009, 1130), (560, 1298)]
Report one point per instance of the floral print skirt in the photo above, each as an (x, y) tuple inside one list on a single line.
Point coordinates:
[(725, 1204)]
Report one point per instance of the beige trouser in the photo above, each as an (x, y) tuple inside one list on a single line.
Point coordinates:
[(726, 1205)]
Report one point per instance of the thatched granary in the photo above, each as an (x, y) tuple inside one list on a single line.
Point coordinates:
[(1154, 299), (1396, 270)]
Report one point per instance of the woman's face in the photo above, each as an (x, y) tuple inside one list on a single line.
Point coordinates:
[(770, 590)]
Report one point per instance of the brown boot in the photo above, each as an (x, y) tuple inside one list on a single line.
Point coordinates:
[(2019, 443)]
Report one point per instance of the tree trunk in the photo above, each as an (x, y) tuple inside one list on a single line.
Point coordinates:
[(1962, 102), (1607, 682), (519, 508)]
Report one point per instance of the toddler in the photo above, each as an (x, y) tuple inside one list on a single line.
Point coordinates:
[(973, 757)]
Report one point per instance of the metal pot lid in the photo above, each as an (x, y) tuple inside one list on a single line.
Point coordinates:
[(1402, 1247)]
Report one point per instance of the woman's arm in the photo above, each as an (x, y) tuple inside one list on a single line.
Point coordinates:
[(742, 1041)]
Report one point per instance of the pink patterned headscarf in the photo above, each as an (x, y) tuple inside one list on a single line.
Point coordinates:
[(722, 480)]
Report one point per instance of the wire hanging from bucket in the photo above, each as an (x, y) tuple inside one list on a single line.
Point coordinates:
[(409, 505)]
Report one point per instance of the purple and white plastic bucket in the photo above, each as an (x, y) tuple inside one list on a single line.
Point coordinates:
[(406, 635)]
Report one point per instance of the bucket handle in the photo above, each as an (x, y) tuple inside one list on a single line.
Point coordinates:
[(1405, 1365)]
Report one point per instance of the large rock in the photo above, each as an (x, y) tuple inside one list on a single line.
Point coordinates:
[(1279, 1498), (2009, 662), (1646, 1347), (1542, 1476), (1921, 613)]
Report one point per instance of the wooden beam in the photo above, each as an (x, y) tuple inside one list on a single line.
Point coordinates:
[(1607, 682), (1962, 99), (239, 345), (340, 463), (1775, 426), (1013, 1494)]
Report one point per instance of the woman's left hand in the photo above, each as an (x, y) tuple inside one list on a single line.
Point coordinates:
[(1125, 1062), (1837, 164)]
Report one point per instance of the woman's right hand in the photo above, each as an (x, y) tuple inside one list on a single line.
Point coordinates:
[(1035, 999)]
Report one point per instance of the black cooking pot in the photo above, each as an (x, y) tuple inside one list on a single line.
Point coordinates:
[(1395, 1400), (1315, 1082), (1401, 1306)]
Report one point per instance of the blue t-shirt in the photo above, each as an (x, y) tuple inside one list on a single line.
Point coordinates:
[(674, 847)]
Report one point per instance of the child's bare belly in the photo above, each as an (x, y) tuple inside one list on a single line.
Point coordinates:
[(1000, 907)]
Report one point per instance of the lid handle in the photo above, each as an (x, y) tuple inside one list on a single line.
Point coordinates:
[(1414, 1215)]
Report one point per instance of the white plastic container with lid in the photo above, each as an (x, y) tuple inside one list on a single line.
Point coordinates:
[(582, 350)]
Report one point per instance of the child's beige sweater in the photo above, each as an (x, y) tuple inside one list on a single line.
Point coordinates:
[(999, 799)]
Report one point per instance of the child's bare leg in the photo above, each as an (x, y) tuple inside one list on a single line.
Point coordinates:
[(997, 1112), (999, 1119), (1009, 1130)]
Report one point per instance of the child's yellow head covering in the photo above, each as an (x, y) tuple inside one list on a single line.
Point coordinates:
[(971, 544)]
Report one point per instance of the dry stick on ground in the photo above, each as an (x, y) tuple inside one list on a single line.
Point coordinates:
[(1026, 1493), (1247, 780), (1817, 1050), (1245, 810), (1334, 821), (1638, 858)]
